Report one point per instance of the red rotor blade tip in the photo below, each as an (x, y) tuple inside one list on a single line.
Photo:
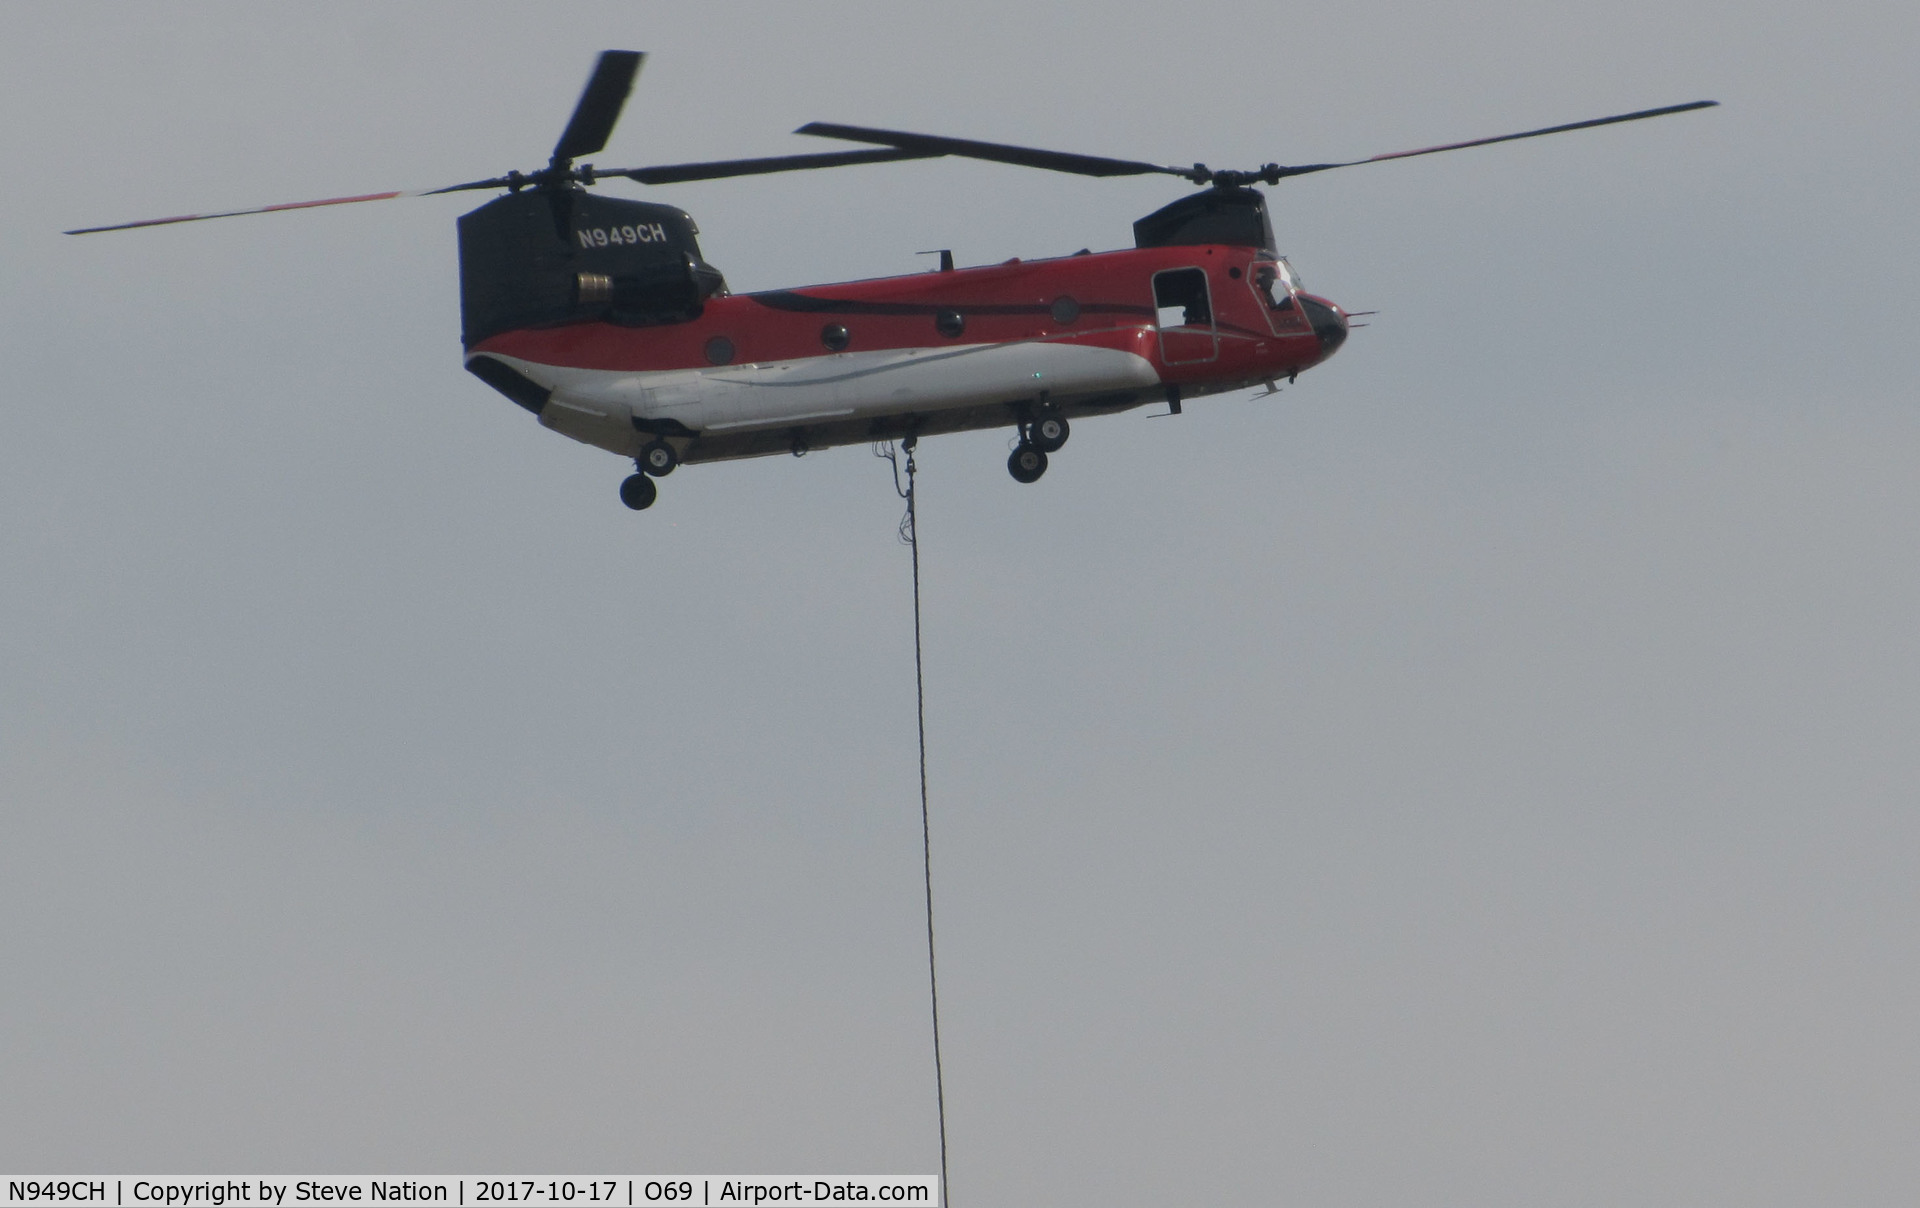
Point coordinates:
[(285, 205)]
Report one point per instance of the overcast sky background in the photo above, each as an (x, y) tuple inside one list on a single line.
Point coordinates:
[(1483, 774)]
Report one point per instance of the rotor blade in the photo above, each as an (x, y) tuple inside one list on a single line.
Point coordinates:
[(665, 174), (1027, 157), (289, 205), (1303, 169), (600, 103)]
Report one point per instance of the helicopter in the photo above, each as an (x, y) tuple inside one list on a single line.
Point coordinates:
[(600, 316)]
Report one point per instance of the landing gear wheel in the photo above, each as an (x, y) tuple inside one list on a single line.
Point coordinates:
[(657, 458), (1048, 432), (1027, 464), (638, 492)]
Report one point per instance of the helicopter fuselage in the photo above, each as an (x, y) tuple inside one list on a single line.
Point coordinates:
[(942, 351)]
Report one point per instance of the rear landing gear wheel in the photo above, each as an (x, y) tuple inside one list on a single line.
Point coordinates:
[(638, 492), (1048, 432), (657, 458), (1027, 463)]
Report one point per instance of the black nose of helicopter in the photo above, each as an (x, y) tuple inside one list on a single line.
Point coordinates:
[(1328, 323)]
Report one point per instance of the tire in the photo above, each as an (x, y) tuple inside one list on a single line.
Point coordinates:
[(1049, 432), (1027, 464), (657, 458), (638, 492)]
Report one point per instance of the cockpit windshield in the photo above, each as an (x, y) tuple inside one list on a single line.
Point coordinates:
[(1275, 284)]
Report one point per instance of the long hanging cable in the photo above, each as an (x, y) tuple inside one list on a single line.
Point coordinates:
[(910, 536)]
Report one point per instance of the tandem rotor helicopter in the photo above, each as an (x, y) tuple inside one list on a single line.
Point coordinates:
[(600, 316)]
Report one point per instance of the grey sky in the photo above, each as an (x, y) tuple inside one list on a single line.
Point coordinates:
[(1484, 774)]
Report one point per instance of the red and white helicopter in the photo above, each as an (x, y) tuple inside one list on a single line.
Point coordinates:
[(600, 316)]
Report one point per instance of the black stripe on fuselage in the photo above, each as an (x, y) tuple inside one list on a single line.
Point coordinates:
[(793, 300), (510, 382)]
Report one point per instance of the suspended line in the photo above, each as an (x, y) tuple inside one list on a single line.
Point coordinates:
[(910, 536)]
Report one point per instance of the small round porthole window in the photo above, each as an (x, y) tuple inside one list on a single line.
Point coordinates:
[(949, 323), (1065, 310), (835, 337), (719, 351)]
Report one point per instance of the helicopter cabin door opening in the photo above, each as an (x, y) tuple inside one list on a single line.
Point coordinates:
[(1183, 309)]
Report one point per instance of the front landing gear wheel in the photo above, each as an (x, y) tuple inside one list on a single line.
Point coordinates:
[(1048, 432), (657, 458), (1027, 464), (638, 492)]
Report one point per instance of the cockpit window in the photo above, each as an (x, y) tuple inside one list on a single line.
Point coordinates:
[(1275, 285), (1273, 281)]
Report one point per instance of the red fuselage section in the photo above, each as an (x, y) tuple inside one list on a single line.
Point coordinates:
[(1105, 299)]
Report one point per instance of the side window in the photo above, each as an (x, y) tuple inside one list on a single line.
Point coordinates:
[(1180, 298)]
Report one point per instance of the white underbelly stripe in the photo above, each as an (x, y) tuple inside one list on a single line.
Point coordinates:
[(883, 382)]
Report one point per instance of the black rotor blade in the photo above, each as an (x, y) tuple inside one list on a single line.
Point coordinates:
[(498, 182), (1303, 169), (285, 205), (600, 103), (666, 174), (1026, 157)]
